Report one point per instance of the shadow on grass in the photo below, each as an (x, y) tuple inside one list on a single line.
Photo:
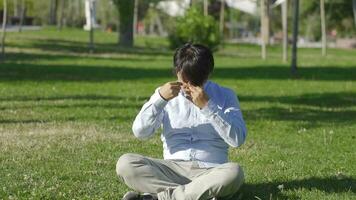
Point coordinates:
[(310, 116), (320, 107), (12, 71), (94, 103), (89, 97), (276, 190), (328, 99), (67, 46)]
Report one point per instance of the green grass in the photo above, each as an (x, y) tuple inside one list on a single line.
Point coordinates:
[(65, 116)]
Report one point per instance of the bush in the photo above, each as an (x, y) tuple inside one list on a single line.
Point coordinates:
[(194, 27)]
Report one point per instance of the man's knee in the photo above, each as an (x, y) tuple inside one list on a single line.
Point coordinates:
[(234, 175), (125, 166)]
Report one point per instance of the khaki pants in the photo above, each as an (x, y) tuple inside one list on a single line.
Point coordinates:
[(179, 180)]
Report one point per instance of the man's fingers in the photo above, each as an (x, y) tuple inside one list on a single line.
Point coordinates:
[(175, 87), (194, 88), (176, 83)]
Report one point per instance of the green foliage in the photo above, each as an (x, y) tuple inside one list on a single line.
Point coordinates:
[(196, 28), (339, 16)]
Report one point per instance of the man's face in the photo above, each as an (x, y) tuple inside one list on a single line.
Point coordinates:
[(181, 78), (185, 86)]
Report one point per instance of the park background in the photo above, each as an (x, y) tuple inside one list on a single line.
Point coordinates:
[(68, 96)]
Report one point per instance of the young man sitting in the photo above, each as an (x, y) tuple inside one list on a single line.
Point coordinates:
[(200, 121)]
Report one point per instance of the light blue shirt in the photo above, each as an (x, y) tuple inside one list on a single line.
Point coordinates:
[(194, 134)]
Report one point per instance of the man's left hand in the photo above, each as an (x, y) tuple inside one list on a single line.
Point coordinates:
[(197, 95)]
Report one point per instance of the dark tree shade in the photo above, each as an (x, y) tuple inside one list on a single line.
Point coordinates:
[(126, 14)]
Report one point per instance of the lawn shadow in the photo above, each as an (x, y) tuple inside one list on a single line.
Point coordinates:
[(13, 71), (90, 97), (67, 46), (70, 102), (17, 68), (275, 190), (311, 109), (310, 117), (325, 99)]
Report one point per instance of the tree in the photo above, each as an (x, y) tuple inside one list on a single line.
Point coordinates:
[(295, 37), (195, 28), (126, 15), (354, 10), (53, 12), (222, 16), (285, 29), (91, 31), (4, 19), (264, 27), (23, 14), (206, 6), (135, 18), (61, 14), (323, 27)]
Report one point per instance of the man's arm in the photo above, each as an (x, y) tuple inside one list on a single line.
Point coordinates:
[(228, 122), (151, 115)]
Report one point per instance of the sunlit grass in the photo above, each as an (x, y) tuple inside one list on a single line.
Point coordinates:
[(65, 116)]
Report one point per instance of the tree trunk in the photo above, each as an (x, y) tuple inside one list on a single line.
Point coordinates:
[(23, 14), (3, 31), (323, 27), (126, 12), (61, 14), (285, 29), (191, 3), (354, 9), (53, 12), (206, 5), (135, 18), (222, 16), (16, 8), (91, 31), (295, 37), (264, 27)]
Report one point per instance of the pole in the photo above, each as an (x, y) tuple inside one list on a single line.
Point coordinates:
[(264, 28), (323, 27), (91, 10), (295, 37), (222, 14), (135, 18), (285, 29), (354, 9), (206, 7), (22, 16), (4, 19)]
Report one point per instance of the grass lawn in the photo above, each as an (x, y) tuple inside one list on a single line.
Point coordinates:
[(65, 116)]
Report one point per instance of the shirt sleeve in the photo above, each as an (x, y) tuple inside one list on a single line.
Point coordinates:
[(149, 119), (227, 121)]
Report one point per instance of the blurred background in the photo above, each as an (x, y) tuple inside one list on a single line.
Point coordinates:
[(238, 21)]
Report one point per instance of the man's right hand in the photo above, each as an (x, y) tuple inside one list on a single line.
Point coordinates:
[(170, 90)]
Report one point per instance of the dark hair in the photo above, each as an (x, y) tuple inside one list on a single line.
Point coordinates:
[(195, 62)]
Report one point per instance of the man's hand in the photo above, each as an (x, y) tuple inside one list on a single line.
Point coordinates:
[(170, 90), (196, 94)]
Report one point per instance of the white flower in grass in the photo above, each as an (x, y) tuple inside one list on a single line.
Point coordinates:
[(302, 130), (280, 187)]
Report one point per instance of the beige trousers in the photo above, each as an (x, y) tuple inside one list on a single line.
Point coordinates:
[(179, 180)]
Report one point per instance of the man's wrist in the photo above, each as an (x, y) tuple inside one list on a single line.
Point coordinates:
[(159, 92), (158, 100)]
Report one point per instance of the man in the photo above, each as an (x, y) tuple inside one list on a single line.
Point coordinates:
[(200, 121)]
